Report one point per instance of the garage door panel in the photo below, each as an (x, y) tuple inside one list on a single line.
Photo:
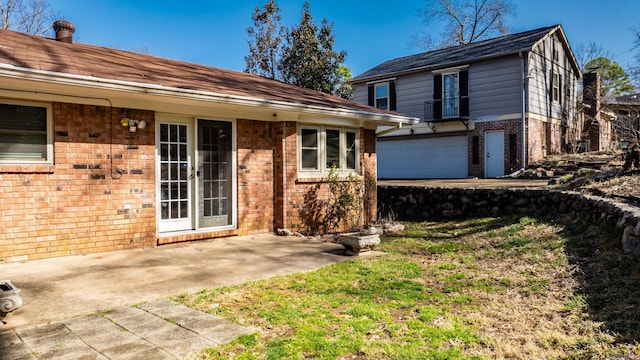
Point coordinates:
[(425, 158)]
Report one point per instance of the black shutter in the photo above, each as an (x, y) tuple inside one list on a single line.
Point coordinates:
[(437, 96), (513, 149), (463, 85), (392, 95), (371, 95), (475, 150)]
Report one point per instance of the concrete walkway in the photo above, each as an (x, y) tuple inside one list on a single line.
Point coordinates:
[(157, 330), (66, 299)]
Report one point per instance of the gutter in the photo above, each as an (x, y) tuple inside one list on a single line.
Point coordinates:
[(395, 128), (160, 90)]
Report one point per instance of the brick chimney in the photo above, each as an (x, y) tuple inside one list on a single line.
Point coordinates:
[(64, 31), (591, 93)]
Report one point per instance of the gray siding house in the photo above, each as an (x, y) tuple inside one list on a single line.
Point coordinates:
[(487, 109)]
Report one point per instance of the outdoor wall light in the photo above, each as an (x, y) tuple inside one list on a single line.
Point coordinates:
[(133, 124)]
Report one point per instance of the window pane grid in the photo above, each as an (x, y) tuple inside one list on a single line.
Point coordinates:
[(337, 148), (174, 182)]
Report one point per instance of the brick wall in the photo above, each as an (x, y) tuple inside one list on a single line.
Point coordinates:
[(99, 195), (298, 201), (535, 149), (255, 177), (510, 127)]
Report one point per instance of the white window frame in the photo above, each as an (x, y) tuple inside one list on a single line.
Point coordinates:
[(376, 86), (322, 169), (555, 87), (49, 136)]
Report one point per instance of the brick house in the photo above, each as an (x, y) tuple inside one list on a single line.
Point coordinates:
[(486, 109), (103, 149)]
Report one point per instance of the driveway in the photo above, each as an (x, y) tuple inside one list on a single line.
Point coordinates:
[(468, 183)]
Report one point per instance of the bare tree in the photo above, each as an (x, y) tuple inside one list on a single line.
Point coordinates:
[(585, 53), (635, 68), (468, 21), (33, 17)]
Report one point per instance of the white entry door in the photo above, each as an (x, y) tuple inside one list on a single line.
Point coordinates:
[(493, 154)]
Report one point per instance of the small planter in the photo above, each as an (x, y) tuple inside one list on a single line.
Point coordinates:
[(10, 299), (355, 242)]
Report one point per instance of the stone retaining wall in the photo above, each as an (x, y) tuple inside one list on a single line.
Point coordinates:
[(426, 203)]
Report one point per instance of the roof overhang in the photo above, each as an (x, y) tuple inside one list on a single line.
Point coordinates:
[(64, 87)]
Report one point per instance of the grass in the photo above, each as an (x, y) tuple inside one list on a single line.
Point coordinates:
[(510, 287)]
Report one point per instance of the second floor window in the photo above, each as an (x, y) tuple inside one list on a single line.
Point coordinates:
[(450, 95), (383, 95), (555, 88)]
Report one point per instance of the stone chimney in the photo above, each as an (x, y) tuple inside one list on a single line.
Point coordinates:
[(64, 31)]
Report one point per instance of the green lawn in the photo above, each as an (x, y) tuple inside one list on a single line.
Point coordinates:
[(510, 287)]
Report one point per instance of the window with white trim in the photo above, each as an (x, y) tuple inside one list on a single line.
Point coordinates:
[(555, 91), (25, 132), (450, 94), (382, 96), (322, 148)]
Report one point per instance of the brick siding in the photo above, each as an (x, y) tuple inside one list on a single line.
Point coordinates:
[(509, 127), (81, 204), (100, 194)]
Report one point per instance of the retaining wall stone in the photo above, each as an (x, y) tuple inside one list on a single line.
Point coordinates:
[(434, 203)]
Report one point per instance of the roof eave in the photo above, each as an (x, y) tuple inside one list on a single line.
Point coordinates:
[(11, 71), (440, 65)]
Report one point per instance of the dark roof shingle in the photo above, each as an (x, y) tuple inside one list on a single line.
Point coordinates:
[(503, 45)]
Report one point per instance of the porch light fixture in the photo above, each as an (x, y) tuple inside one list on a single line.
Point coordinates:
[(133, 124)]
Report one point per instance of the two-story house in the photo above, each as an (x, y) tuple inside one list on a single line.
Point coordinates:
[(487, 108)]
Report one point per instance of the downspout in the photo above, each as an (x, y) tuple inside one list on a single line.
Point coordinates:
[(284, 174), (523, 111)]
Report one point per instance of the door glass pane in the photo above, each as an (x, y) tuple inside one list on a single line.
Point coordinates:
[(214, 166), (164, 152), (174, 167)]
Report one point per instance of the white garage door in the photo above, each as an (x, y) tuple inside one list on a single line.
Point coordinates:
[(425, 158)]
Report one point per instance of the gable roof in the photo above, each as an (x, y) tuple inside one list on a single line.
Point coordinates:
[(456, 55), (27, 56)]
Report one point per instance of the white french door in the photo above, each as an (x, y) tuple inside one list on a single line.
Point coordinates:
[(175, 177), (195, 174)]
